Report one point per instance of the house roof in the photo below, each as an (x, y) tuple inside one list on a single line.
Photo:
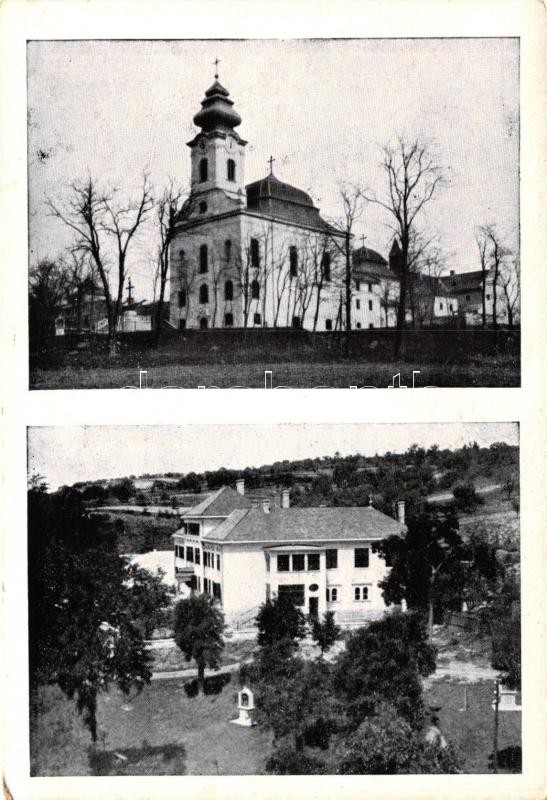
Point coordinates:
[(293, 525), (220, 503), (466, 281)]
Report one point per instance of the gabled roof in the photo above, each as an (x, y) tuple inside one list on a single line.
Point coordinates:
[(294, 525), (220, 503), (466, 281)]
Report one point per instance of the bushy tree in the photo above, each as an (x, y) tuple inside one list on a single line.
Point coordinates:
[(285, 760), (386, 744), (427, 569), (325, 632), (385, 661), (279, 619), (86, 609), (466, 497), (198, 628)]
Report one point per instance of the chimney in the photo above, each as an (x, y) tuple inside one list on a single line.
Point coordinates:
[(240, 486), (401, 511), (285, 498), (266, 506), (452, 272)]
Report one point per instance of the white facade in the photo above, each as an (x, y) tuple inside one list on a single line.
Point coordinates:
[(319, 567)]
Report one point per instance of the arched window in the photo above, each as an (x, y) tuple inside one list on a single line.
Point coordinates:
[(203, 259), (325, 266), (293, 261), (228, 249), (228, 290), (228, 320), (182, 298), (182, 256), (203, 293), (328, 324), (357, 593), (255, 253), (255, 290), (202, 207), (231, 169), (203, 170), (203, 323), (334, 595)]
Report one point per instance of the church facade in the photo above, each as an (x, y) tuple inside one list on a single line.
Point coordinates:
[(255, 255)]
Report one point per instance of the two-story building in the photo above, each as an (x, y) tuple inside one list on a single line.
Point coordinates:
[(322, 558)]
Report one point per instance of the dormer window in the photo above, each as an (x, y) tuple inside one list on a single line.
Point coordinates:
[(203, 170), (231, 169)]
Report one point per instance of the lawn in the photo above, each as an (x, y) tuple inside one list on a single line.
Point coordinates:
[(471, 731), (168, 659), (479, 371)]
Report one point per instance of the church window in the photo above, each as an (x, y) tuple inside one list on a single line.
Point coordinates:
[(257, 319), (182, 298), (228, 320), (370, 305), (358, 325), (228, 290), (255, 290), (203, 259), (358, 285), (293, 261), (370, 287), (203, 170), (325, 266), (441, 306), (203, 293), (228, 249), (202, 207), (182, 324), (296, 322), (181, 256), (371, 324), (328, 324), (255, 253), (231, 169), (203, 323), (358, 304)]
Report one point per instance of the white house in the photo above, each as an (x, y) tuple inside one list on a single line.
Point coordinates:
[(322, 558)]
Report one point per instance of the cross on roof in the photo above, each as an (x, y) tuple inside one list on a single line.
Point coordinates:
[(216, 62), (363, 237), (270, 162)]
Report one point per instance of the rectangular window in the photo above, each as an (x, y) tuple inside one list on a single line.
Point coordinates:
[(332, 559), (293, 261), (190, 554), (257, 319), (197, 556), (468, 297), (268, 592), (357, 303), (255, 253), (218, 562), (488, 297), (294, 592), (370, 305), (370, 287), (332, 595), (441, 306), (313, 562), (282, 563), (361, 556), (206, 585), (267, 562), (298, 562), (193, 528), (217, 592), (198, 580), (451, 307), (360, 593), (371, 324), (328, 324), (358, 285)]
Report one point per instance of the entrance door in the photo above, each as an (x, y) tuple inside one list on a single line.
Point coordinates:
[(314, 607)]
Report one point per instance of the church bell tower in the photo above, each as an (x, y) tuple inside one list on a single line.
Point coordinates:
[(217, 154)]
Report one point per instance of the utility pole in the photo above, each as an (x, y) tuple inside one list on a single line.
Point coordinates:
[(496, 724)]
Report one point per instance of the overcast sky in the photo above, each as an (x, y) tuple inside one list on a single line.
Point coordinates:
[(64, 455), (320, 107)]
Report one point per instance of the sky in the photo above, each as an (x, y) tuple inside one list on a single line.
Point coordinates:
[(66, 454), (321, 108)]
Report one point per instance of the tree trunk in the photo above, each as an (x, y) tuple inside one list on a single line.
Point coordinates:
[(348, 292), (483, 298), (430, 621), (201, 677)]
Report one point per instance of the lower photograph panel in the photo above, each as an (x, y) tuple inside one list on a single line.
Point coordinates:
[(274, 599)]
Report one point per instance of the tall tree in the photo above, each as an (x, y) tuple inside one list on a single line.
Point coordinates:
[(98, 219), (198, 627), (47, 288), (353, 205), (325, 632), (427, 565), (166, 209), (493, 249), (510, 284), (413, 177), (280, 620), (85, 604)]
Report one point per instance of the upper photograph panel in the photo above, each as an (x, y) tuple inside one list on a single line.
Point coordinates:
[(295, 213)]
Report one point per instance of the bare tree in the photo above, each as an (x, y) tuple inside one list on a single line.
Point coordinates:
[(413, 177), (510, 283), (166, 209), (497, 258), (95, 216), (353, 205), (482, 245), (80, 282)]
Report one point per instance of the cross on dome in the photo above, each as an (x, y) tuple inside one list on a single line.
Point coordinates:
[(270, 162), (216, 62)]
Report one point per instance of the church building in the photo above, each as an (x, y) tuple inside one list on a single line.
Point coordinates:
[(258, 254)]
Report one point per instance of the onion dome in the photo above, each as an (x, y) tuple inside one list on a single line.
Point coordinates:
[(216, 110)]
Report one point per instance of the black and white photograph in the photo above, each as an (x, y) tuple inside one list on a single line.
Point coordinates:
[(328, 212), (274, 599)]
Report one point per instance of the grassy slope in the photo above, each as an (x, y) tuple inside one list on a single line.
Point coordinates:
[(494, 371)]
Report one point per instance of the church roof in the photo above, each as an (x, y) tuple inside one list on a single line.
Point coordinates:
[(367, 263), (278, 199), (367, 255), (217, 112), (293, 525)]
